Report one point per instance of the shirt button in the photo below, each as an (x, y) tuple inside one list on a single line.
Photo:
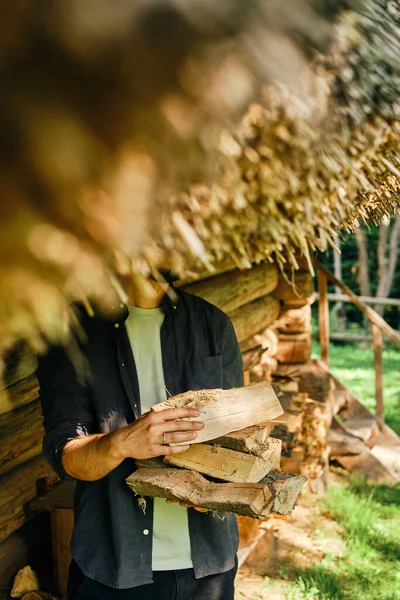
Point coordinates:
[(145, 532), (122, 364), (116, 325)]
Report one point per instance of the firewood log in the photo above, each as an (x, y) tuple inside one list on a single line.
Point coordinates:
[(221, 463), (249, 499), (254, 317), (233, 289), (224, 411), (342, 442), (255, 441)]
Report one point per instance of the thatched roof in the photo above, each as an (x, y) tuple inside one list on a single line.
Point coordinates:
[(110, 119)]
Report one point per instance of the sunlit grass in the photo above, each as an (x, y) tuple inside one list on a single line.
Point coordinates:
[(370, 519)]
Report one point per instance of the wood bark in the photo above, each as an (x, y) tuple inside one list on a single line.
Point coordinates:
[(286, 488), (253, 440), (299, 294), (224, 411), (221, 463), (294, 348), (17, 489), (21, 436), (231, 290), (254, 317), (248, 499), (18, 395), (294, 320)]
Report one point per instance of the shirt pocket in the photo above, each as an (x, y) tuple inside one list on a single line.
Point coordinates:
[(204, 372)]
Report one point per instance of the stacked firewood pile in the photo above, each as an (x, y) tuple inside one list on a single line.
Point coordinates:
[(229, 468)]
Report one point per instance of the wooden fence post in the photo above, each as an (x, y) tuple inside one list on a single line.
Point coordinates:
[(323, 316), (378, 345)]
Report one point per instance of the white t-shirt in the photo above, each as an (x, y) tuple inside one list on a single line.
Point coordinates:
[(171, 541)]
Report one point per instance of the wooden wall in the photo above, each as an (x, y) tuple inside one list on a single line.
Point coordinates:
[(272, 322)]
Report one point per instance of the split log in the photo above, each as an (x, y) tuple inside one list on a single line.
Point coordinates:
[(286, 488), (254, 317), (21, 436), (311, 377), (224, 411), (294, 348), (294, 320), (221, 463), (265, 368), (17, 489), (266, 339), (255, 500), (15, 396), (297, 295), (233, 289), (253, 440)]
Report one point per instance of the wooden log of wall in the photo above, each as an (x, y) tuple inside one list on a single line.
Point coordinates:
[(294, 320), (234, 289), (18, 488), (294, 348), (18, 395), (19, 363), (21, 436), (254, 317), (297, 295)]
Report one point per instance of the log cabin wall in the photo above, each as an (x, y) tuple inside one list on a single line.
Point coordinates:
[(272, 320), (25, 538)]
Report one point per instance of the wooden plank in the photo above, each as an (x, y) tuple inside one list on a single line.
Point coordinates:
[(221, 463), (17, 490), (364, 299), (233, 289), (21, 436), (253, 440), (249, 499), (62, 524), (369, 312), (323, 316), (246, 377), (378, 366), (224, 411), (277, 492), (254, 317)]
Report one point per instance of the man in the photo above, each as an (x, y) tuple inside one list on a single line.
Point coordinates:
[(97, 420)]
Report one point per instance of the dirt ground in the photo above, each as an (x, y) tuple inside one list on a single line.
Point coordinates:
[(303, 540)]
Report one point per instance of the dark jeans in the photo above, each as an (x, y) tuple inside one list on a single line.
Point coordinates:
[(168, 585)]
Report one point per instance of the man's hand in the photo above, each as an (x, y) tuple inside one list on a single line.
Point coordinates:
[(150, 435)]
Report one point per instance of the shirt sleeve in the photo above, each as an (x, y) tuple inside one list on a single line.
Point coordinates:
[(232, 361), (66, 404)]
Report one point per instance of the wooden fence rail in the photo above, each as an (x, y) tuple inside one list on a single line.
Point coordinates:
[(379, 327)]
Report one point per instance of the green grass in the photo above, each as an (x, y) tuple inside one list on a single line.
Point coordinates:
[(354, 367), (369, 570)]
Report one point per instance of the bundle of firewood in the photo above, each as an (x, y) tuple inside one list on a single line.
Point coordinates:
[(234, 465)]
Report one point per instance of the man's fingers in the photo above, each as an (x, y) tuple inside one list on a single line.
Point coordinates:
[(179, 436), (181, 426), (170, 414)]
